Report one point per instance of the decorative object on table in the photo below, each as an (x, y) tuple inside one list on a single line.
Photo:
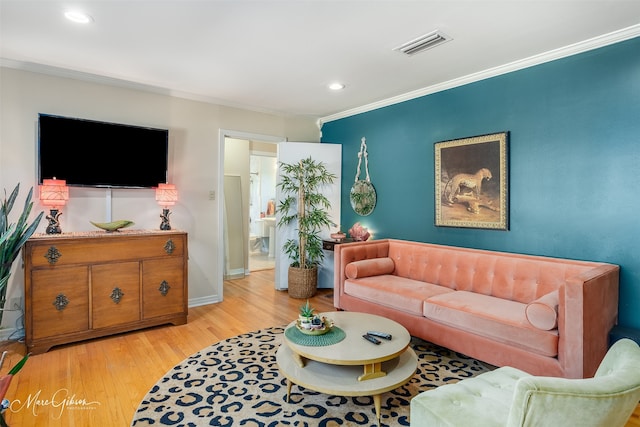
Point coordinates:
[(317, 326), (166, 195), (471, 182), (363, 195), (306, 206), (13, 237), (338, 235), (54, 193), (113, 225), (359, 233), (306, 312), (5, 382), (310, 323)]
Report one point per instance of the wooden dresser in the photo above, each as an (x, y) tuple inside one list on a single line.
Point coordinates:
[(86, 285)]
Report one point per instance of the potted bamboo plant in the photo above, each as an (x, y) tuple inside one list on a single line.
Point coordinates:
[(305, 206), (13, 237)]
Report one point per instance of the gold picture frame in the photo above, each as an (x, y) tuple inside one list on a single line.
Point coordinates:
[(471, 182)]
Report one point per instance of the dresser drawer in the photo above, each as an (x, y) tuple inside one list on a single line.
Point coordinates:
[(61, 252)]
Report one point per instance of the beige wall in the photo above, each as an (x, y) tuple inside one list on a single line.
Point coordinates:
[(194, 129)]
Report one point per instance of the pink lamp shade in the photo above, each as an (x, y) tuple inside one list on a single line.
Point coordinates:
[(54, 193), (166, 194)]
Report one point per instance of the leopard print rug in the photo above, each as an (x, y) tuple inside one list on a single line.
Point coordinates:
[(236, 382)]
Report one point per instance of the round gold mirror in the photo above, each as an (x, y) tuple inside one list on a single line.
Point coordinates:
[(363, 197)]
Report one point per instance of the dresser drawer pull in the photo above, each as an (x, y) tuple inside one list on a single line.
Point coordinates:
[(169, 247), (52, 255), (164, 288), (116, 295), (61, 302)]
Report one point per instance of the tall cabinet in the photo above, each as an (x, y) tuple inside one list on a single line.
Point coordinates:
[(86, 285)]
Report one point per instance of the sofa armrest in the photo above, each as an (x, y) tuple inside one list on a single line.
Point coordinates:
[(350, 252), (588, 309)]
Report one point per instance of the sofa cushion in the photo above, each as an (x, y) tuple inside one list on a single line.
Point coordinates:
[(392, 291), (509, 276), (369, 267), (543, 312), (495, 318)]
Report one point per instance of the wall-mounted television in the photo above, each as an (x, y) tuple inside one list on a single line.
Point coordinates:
[(89, 153)]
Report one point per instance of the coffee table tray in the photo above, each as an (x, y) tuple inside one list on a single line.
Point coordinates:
[(327, 324)]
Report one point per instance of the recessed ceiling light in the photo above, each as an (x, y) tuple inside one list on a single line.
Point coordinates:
[(78, 17), (336, 86)]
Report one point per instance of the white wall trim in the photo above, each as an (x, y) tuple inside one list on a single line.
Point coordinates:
[(573, 49), (51, 70), (197, 302)]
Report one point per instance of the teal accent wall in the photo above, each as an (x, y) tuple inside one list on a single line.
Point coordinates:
[(574, 160)]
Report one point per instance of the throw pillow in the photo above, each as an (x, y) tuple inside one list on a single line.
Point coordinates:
[(543, 312), (369, 267)]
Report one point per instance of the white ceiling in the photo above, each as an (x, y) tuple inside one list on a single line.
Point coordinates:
[(279, 56)]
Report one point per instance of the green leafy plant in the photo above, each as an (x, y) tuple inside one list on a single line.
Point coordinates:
[(306, 206), (13, 237), (306, 310)]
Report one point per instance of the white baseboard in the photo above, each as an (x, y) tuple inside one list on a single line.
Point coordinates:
[(196, 302)]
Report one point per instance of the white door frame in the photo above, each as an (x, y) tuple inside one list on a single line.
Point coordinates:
[(222, 135)]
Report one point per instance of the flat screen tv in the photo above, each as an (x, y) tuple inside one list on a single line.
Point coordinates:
[(88, 153)]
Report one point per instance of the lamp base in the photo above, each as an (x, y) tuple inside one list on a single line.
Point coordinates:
[(164, 225), (54, 223)]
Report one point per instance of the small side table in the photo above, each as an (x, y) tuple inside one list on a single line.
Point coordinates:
[(325, 271), (329, 244)]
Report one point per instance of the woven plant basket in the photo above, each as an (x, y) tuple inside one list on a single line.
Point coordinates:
[(303, 282)]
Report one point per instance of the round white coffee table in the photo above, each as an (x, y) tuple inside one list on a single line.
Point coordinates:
[(353, 366)]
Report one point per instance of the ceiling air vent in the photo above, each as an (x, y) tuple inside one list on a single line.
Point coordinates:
[(422, 43)]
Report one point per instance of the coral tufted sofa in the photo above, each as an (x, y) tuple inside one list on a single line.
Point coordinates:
[(545, 316)]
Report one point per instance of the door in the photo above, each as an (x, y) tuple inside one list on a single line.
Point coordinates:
[(234, 238), (331, 156)]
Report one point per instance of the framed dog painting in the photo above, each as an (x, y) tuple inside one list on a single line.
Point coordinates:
[(471, 182)]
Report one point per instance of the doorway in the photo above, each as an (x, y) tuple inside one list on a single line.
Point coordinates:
[(262, 206), (251, 198)]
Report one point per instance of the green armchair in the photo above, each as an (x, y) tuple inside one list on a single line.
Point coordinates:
[(508, 397)]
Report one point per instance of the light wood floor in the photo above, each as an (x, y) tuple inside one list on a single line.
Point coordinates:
[(101, 382)]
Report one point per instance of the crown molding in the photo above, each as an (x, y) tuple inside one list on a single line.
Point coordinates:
[(573, 49), (51, 70)]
